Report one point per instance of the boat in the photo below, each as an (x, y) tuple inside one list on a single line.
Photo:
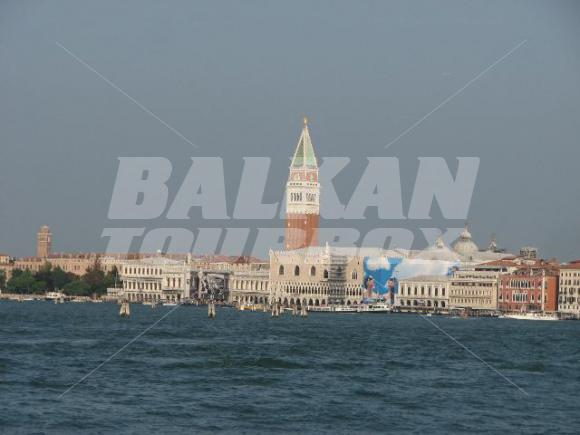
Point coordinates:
[(375, 308), (170, 304), (79, 300), (54, 295), (344, 309), (319, 309), (530, 316)]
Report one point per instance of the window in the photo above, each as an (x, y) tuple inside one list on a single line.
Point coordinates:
[(325, 275), (296, 271), (312, 271), (281, 270), (354, 274)]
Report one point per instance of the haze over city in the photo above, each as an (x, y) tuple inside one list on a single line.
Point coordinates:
[(235, 80)]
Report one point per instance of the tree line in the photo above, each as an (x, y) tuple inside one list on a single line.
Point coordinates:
[(94, 281)]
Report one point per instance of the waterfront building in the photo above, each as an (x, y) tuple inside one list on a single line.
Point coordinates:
[(424, 293), (5, 259), (474, 290), (154, 279), (44, 242), (319, 276), (76, 264), (529, 288), (302, 196), (250, 284), (569, 290)]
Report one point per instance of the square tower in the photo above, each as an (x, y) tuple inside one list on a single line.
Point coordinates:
[(302, 196), (44, 242)]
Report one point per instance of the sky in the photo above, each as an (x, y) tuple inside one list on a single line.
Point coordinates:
[(235, 79)]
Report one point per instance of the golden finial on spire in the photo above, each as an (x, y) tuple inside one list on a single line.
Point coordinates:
[(306, 121)]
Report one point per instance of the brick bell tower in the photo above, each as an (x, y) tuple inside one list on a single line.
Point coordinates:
[(302, 195)]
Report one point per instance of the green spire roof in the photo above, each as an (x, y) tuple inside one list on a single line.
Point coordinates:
[(304, 155)]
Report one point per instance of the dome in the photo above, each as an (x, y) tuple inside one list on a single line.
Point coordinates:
[(438, 251), (464, 245)]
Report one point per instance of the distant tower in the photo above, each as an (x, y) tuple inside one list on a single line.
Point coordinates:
[(44, 242), (303, 195)]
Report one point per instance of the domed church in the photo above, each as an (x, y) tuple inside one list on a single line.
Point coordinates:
[(464, 245)]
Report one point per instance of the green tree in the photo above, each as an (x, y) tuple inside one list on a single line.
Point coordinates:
[(2, 278), (39, 287), (60, 278), (77, 288), (95, 278), (112, 279), (21, 282), (17, 272), (44, 275)]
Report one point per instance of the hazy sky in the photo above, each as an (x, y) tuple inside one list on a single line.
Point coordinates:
[(236, 77)]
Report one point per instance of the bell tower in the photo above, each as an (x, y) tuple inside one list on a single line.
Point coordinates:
[(302, 195), (44, 242)]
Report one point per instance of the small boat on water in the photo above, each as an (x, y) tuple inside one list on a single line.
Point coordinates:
[(375, 308), (345, 309), (170, 304), (316, 309), (530, 316)]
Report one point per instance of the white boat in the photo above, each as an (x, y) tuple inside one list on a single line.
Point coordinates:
[(170, 304), (54, 295), (320, 309), (529, 316), (344, 309), (375, 308)]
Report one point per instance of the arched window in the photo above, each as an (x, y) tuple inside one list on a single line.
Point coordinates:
[(281, 270), (312, 271), (325, 274), (296, 271), (354, 274)]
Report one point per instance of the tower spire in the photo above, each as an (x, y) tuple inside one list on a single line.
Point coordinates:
[(304, 156)]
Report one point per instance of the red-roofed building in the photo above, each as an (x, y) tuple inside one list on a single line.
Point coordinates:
[(530, 288)]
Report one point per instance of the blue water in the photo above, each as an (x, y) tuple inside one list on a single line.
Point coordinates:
[(248, 372)]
